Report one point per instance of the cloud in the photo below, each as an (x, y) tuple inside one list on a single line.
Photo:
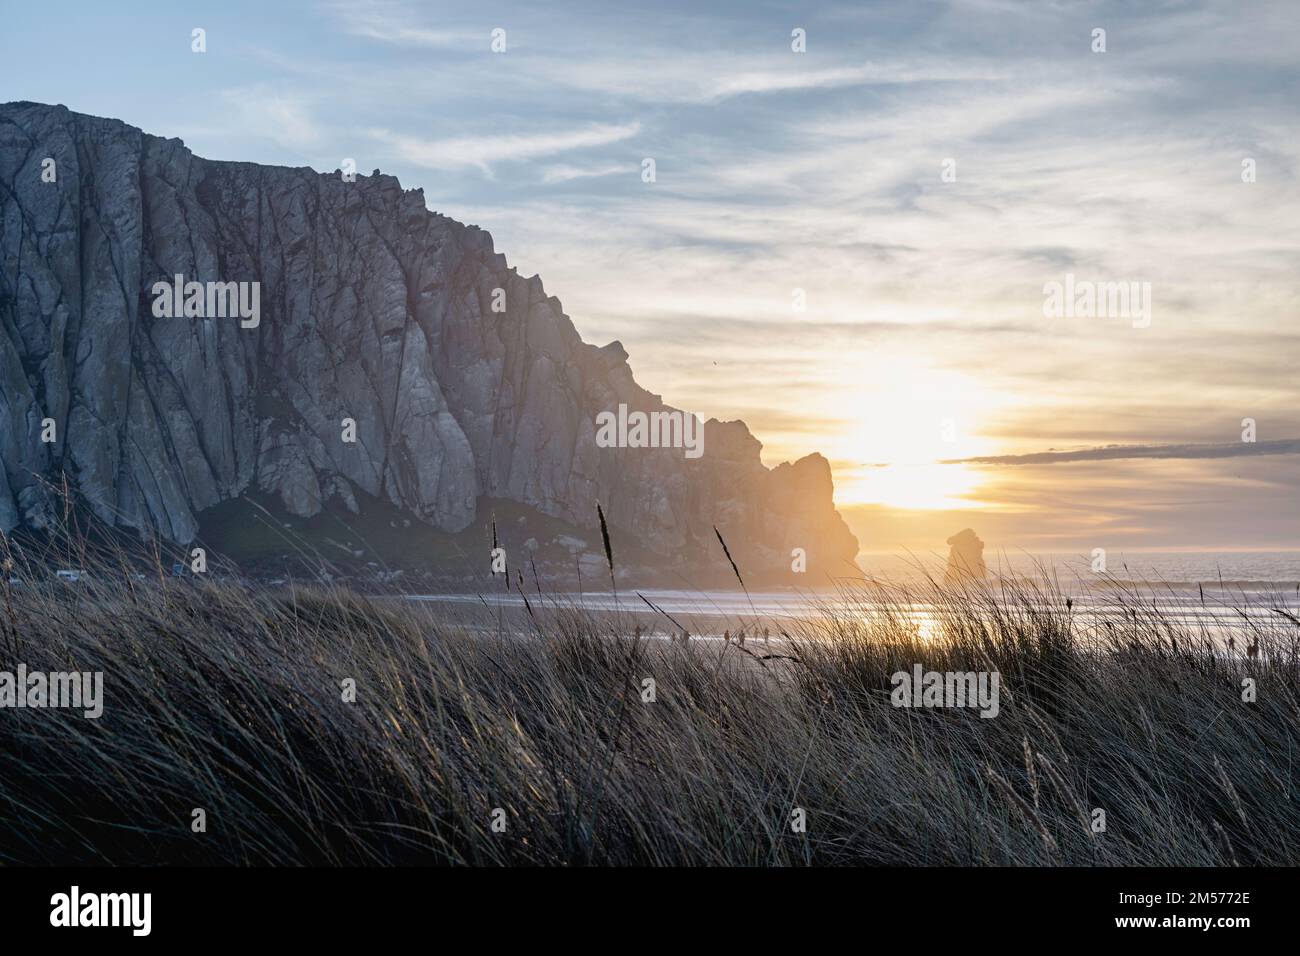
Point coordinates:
[(412, 36), (480, 152), (284, 118), (1290, 446), (394, 23), (723, 84), (664, 75), (564, 174)]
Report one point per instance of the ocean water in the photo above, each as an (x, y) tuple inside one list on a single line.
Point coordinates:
[(1252, 570), (1213, 593)]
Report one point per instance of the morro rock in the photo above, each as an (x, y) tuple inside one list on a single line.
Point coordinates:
[(373, 310)]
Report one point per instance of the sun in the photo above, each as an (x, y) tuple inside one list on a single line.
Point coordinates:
[(912, 419), (925, 487)]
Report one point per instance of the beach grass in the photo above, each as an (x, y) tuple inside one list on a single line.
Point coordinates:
[(541, 743)]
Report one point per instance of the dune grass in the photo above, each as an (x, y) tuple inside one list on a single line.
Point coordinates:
[(229, 699)]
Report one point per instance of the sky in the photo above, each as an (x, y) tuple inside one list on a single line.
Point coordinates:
[(848, 247)]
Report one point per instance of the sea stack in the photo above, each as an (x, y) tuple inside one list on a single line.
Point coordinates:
[(965, 557)]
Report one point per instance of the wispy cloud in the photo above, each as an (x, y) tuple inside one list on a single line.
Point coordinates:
[(1117, 452), (400, 24), (481, 152), (413, 36), (563, 173), (283, 117), (666, 75)]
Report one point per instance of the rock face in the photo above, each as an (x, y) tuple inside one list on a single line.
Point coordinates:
[(965, 557), (374, 311)]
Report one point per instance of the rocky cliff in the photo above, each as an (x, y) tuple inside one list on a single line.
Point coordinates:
[(373, 311)]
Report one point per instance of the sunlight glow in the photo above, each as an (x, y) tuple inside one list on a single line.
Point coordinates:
[(926, 487), (912, 417)]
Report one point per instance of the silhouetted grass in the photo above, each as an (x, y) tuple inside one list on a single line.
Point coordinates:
[(229, 699)]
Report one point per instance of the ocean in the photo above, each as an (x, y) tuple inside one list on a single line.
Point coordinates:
[(1251, 570), (1215, 593)]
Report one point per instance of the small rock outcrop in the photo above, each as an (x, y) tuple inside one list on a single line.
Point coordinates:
[(965, 557)]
